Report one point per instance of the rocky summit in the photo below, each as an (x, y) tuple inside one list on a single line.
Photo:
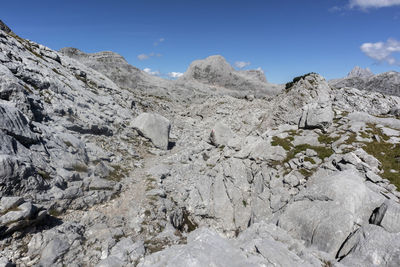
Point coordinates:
[(102, 164)]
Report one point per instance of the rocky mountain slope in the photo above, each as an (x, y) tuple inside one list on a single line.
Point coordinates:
[(221, 76), (101, 167), (363, 79)]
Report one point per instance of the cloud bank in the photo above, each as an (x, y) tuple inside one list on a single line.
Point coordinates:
[(382, 51), (241, 64), (151, 72), (365, 4), (175, 75), (159, 41), (147, 56)]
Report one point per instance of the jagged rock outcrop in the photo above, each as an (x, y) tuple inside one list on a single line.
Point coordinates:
[(306, 103)]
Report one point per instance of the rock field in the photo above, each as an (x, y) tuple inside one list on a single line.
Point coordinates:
[(102, 164)]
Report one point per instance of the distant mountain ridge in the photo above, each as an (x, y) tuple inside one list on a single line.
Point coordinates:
[(364, 79)]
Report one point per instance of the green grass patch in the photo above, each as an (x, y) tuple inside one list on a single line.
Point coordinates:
[(117, 173), (305, 173), (80, 167), (327, 139), (286, 143), (351, 139), (323, 152), (373, 130), (389, 156), (309, 159)]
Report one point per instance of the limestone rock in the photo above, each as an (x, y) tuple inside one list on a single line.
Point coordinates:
[(154, 127), (323, 214), (371, 245), (221, 134)]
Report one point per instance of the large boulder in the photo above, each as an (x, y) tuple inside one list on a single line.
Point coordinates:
[(387, 216), (221, 134), (327, 210), (154, 127), (371, 245)]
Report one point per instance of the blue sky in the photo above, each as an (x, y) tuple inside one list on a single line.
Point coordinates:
[(285, 38)]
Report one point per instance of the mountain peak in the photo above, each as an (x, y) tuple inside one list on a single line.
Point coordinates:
[(359, 72)]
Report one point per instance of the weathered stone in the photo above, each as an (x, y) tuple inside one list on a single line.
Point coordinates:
[(221, 134), (154, 127)]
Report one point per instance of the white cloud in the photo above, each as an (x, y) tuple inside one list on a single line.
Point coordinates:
[(175, 74), (159, 41), (382, 51), (147, 56), (241, 64), (149, 71), (260, 69), (365, 4)]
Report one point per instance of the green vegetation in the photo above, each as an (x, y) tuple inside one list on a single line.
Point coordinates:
[(54, 212), (68, 143), (117, 173), (322, 151), (389, 156), (351, 139), (45, 175), (309, 160), (295, 80), (326, 139), (305, 173), (78, 167), (286, 143), (376, 131)]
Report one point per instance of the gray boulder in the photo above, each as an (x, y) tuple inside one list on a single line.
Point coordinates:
[(371, 245), (154, 127), (221, 134), (4, 262), (317, 115), (387, 216), (53, 251), (204, 248), (325, 212)]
